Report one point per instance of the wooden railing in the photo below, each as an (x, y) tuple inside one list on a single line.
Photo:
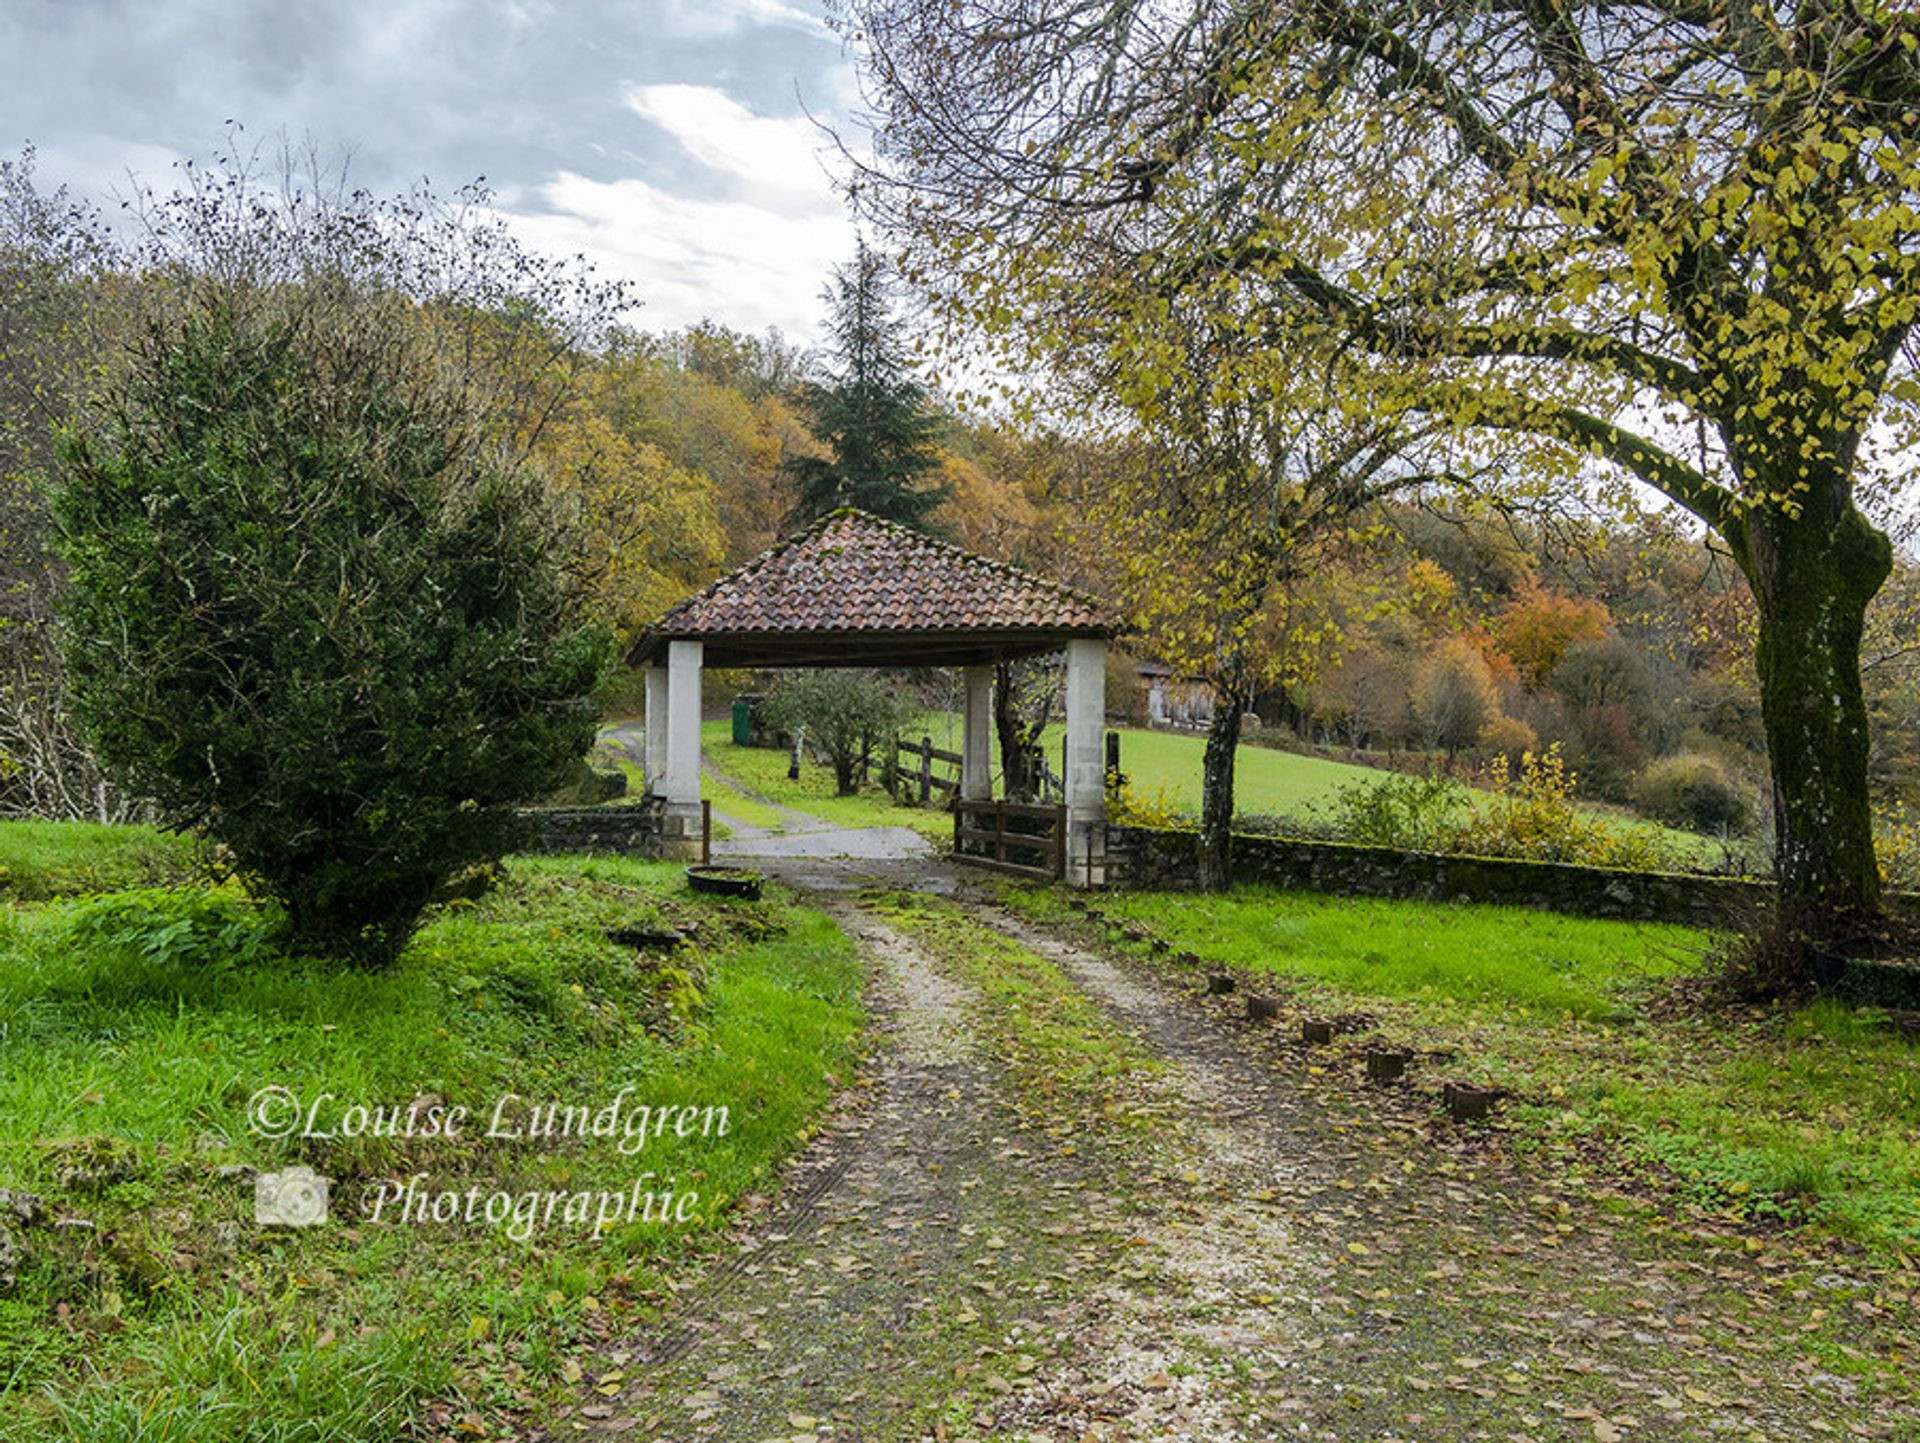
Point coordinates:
[(919, 775), (1042, 849)]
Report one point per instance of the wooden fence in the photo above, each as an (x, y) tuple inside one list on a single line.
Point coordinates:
[(1038, 835), (916, 776)]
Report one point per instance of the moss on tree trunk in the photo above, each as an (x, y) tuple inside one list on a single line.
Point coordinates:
[(1813, 576), (1216, 787)]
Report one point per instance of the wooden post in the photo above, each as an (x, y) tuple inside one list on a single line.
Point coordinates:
[(999, 835), (1059, 842), (706, 831), (926, 770)]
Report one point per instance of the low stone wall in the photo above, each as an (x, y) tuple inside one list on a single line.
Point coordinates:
[(1151, 858), (631, 829)]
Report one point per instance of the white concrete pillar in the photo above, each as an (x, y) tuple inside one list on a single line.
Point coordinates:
[(682, 820), (657, 730), (976, 737), (1086, 763)]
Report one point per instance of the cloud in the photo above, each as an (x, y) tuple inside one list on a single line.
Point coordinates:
[(739, 262), (773, 161), (753, 250), (725, 17)]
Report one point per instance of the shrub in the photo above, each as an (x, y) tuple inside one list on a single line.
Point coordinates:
[(1509, 736), (1412, 813), (1534, 815), (1453, 695), (1132, 806), (1693, 790), (317, 608), (172, 927)]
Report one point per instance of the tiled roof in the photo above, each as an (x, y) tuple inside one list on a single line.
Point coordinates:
[(853, 572)]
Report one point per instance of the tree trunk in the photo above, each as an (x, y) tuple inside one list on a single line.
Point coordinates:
[(1018, 740), (1812, 579), (843, 767), (1216, 787)]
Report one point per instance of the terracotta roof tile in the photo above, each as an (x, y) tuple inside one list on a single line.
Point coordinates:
[(853, 572)]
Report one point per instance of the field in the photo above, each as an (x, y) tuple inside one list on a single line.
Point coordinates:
[(1268, 782), (136, 1028)]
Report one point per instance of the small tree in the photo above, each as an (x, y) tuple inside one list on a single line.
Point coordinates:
[(880, 433), (1454, 696), (315, 605), (846, 714)]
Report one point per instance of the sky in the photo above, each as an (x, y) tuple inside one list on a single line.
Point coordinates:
[(672, 142)]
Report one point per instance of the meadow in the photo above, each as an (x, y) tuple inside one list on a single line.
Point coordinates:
[(138, 1026)]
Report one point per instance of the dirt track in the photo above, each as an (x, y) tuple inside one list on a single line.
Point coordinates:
[(1242, 1251)]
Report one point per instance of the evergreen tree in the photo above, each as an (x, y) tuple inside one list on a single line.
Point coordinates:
[(881, 434)]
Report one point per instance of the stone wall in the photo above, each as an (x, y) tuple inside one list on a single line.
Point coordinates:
[(1150, 858), (632, 829)]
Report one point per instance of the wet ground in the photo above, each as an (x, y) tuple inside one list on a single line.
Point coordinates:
[(806, 849)]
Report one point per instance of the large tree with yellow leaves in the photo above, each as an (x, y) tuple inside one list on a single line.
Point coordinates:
[(1674, 241)]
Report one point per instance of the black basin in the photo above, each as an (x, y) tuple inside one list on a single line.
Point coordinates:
[(721, 881)]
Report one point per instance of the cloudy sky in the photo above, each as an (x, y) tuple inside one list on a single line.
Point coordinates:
[(668, 140)]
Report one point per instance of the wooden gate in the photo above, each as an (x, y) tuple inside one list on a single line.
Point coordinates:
[(1038, 838)]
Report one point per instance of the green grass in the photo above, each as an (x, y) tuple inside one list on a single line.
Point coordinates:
[(1269, 782), (134, 1029), (1542, 964), (738, 805), (765, 770), (1801, 1116), (51, 859)]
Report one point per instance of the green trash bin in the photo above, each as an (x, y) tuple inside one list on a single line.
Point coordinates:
[(742, 722)]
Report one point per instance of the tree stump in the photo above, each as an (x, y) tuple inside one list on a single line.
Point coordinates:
[(1385, 1065), (1219, 984), (1187, 959), (1316, 1030), (1133, 934), (1261, 1009), (1468, 1102)]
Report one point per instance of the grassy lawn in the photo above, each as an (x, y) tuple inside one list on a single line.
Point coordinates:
[(738, 805), (1269, 782), (1780, 1117), (764, 769), (51, 859), (1274, 783), (136, 1027)]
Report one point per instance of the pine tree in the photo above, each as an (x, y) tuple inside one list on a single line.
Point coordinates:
[(881, 434)]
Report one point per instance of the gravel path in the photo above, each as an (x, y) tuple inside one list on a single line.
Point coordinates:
[(1277, 1252)]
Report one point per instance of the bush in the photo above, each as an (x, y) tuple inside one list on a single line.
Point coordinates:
[(1131, 806), (1509, 736), (1693, 790), (172, 928), (1530, 814), (1411, 813), (316, 606), (1534, 815)]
